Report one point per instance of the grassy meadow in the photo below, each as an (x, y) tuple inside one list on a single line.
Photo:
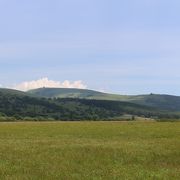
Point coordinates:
[(90, 150)]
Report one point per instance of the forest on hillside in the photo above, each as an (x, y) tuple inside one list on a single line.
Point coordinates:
[(23, 107)]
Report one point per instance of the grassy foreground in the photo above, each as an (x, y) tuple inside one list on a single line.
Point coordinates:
[(90, 150)]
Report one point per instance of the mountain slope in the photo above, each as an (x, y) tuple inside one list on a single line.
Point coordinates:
[(165, 102), (65, 93), (12, 92), (19, 104), (75, 104)]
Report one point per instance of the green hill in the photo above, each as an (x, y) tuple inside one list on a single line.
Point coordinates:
[(78, 104), (23, 105), (165, 102), (65, 93), (12, 92)]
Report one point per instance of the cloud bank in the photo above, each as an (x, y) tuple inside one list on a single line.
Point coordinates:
[(45, 82)]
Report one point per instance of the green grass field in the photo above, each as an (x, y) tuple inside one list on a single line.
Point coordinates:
[(90, 150)]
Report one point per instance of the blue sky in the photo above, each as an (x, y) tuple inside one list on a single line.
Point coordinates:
[(120, 46)]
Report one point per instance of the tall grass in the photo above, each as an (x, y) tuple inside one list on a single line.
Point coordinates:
[(89, 150)]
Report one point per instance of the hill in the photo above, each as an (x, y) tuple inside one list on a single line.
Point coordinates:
[(75, 104), (68, 93), (12, 92), (165, 102), (21, 105)]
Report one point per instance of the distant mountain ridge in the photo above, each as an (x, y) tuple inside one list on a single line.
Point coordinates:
[(22, 105), (166, 102), (81, 104), (4, 91), (65, 93)]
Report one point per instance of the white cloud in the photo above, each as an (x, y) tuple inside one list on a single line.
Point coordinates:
[(45, 82)]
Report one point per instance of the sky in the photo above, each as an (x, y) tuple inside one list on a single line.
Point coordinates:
[(117, 46)]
